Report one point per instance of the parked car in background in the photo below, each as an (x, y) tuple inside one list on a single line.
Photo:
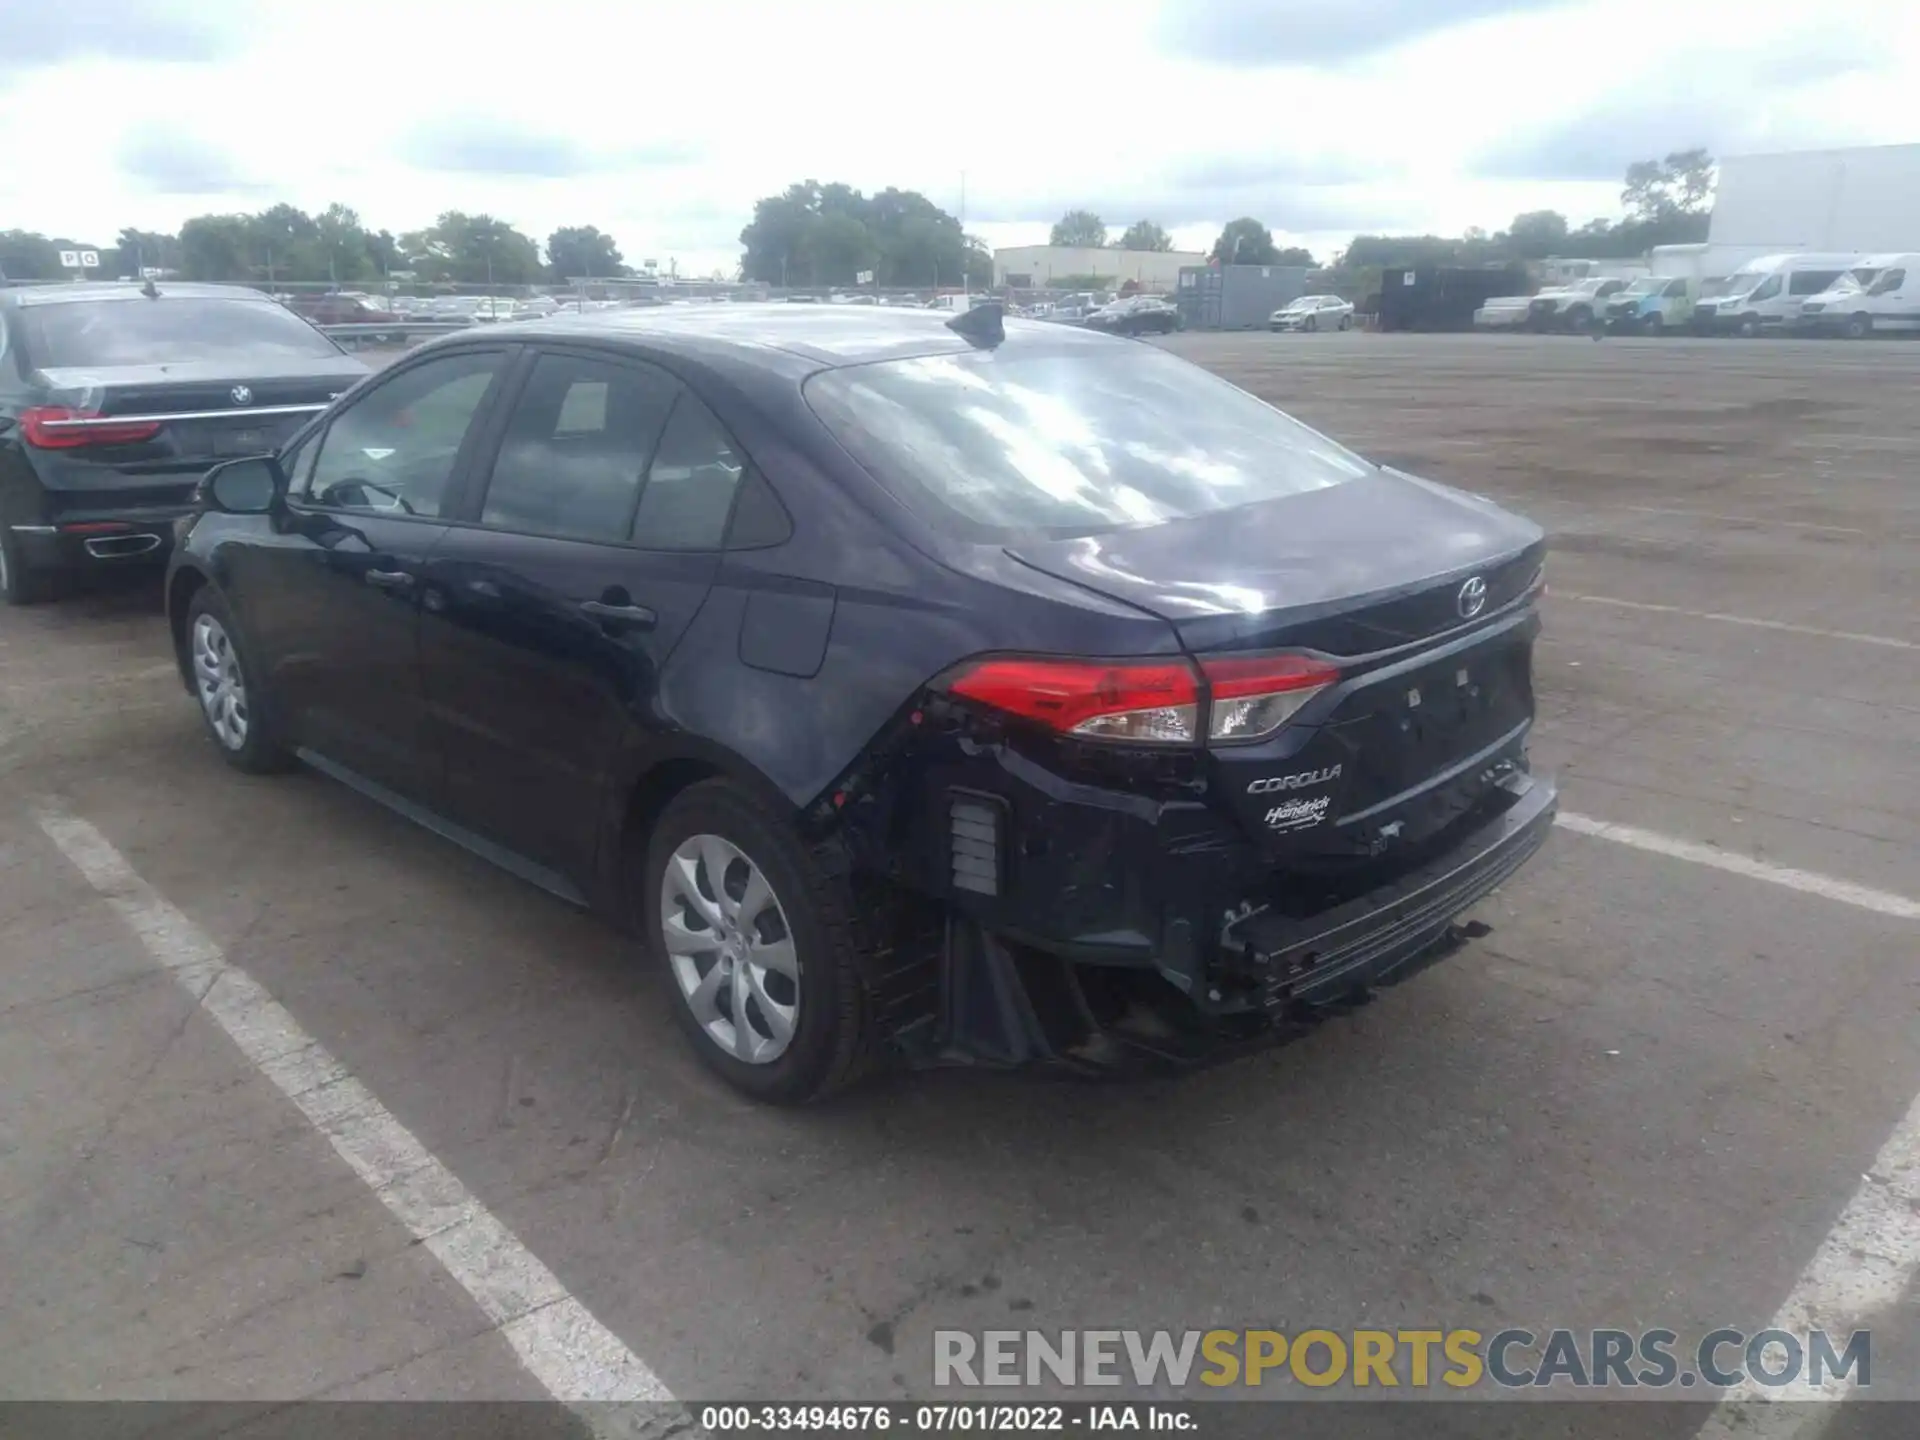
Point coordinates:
[(1652, 304), (873, 662), (1313, 312), (340, 309), (1766, 294), (1136, 315), (1503, 312), (1882, 292), (535, 306), (114, 400), (491, 308), (1573, 306)]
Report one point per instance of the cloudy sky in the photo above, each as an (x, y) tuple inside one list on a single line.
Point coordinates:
[(662, 122)]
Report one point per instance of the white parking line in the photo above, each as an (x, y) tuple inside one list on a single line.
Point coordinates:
[(1884, 902), (577, 1359), (1862, 1270), (1758, 624)]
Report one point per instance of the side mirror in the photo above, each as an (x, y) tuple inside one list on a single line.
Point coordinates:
[(243, 487)]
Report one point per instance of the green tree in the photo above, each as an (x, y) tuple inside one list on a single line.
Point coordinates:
[(1537, 234), (836, 248), (1294, 255), (28, 255), (340, 246), (1080, 230), (148, 249), (1681, 184), (815, 234), (1145, 235), (472, 250), (1246, 242), (574, 251), (216, 247)]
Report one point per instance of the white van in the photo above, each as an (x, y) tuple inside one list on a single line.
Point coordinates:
[(1766, 294), (1882, 292)]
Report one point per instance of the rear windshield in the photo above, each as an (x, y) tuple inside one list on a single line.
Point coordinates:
[(147, 332), (1070, 442)]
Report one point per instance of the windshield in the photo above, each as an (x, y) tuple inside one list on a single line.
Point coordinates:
[(1645, 285), (147, 332), (1069, 442), (1740, 282), (1854, 281)]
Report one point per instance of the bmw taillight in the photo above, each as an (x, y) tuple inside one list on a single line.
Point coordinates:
[(1254, 695), (1153, 702), (56, 427)]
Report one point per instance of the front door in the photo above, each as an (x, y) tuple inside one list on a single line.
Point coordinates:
[(332, 595), (546, 621)]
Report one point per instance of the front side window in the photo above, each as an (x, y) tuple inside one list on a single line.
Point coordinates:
[(1068, 441), (1891, 281), (1768, 289), (577, 448), (394, 448)]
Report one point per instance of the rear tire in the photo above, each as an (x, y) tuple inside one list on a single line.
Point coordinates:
[(233, 702), (20, 584), (799, 1028)]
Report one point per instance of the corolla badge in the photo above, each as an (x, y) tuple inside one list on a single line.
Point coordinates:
[(241, 395), (1472, 598)]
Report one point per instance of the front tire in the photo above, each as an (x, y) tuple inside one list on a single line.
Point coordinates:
[(755, 939), (1749, 326), (1346, 322), (232, 702), (1858, 327), (1313, 323)]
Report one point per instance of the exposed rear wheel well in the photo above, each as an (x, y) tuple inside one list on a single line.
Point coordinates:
[(650, 795), (179, 597)]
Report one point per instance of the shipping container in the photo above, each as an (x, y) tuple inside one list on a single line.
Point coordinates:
[(1236, 297), (1444, 297)]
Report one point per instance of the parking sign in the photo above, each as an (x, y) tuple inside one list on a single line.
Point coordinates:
[(89, 259), (70, 259)]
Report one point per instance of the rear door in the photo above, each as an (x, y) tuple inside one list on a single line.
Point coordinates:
[(329, 597), (587, 548)]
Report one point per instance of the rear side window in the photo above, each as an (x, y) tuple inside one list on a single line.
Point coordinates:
[(577, 448), (140, 331), (690, 484), (1074, 441)]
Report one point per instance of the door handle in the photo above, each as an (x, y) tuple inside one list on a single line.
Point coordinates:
[(390, 579), (622, 617)]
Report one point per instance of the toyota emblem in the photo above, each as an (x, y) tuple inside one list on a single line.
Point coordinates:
[(1472, 598), (241, 395)]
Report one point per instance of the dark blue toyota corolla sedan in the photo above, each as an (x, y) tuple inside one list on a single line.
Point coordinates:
[(926, 688)]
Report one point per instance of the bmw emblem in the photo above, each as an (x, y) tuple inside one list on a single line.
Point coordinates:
[(1472, 598), (241, 395)]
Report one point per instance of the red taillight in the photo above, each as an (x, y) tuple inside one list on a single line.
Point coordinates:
[(53, 427), (94, 527), (1254, 695), (1150, 701)]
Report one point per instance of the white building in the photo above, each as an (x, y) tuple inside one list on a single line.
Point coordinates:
[(1041, 267), (1862, 199)]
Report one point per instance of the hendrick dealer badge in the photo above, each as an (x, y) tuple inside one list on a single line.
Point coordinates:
[(1299, 814)]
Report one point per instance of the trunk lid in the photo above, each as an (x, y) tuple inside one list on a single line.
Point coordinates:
[(207, 411), (1402, 580), (1350, 569)]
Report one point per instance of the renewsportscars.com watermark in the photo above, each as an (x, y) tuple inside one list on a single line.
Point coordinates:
[(1455, 1359)]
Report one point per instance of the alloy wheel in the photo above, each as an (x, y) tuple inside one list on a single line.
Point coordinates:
[(217, 678), (727, 939)]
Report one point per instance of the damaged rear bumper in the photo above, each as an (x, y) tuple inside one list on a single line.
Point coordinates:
[(1264, 978)]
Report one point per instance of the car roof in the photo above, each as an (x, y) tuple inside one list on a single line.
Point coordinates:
[(829, 335), (55, 293)]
